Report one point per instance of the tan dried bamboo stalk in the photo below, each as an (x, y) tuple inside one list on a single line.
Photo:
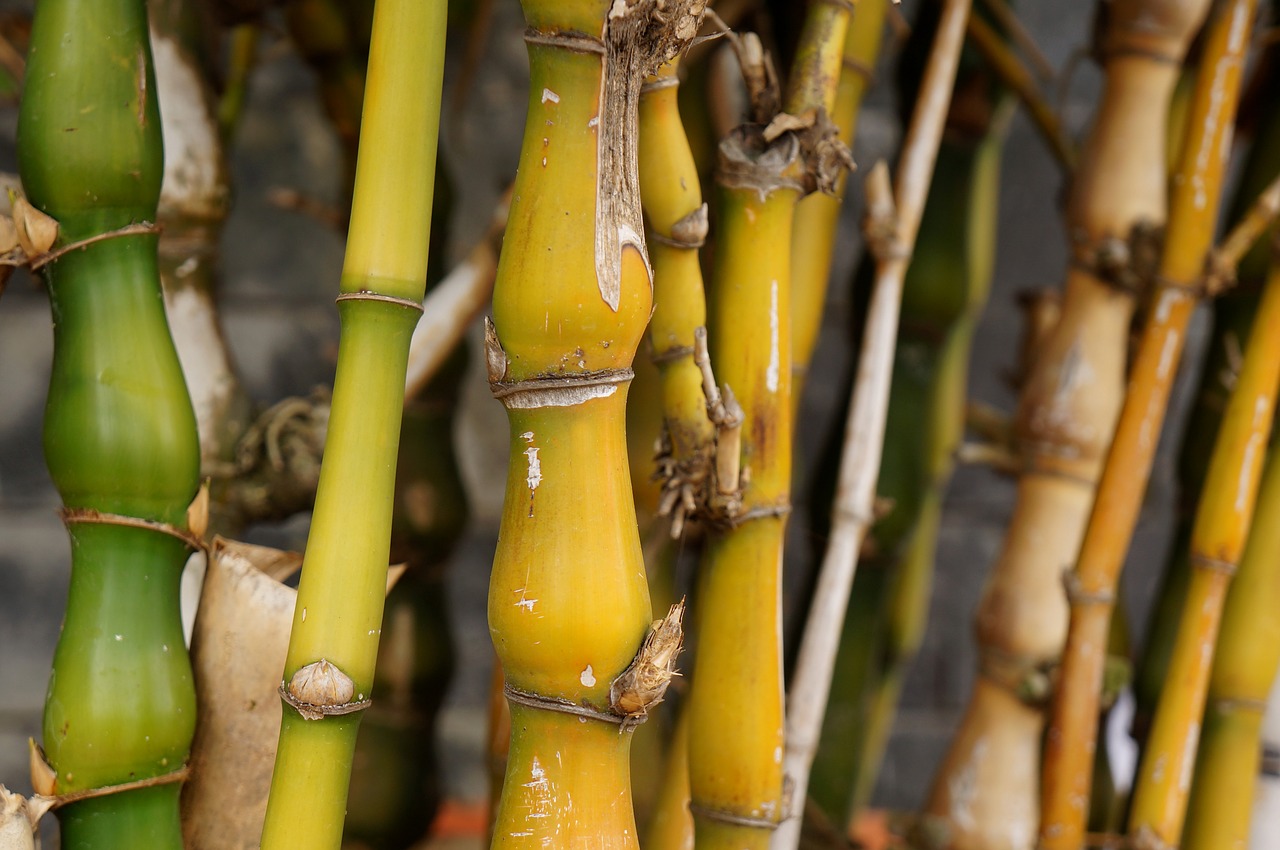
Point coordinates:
[(984, 794), (892, 229), (1091, 587)]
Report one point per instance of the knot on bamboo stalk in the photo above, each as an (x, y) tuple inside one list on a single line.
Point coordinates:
[(321, 689), (1128, 264), (825, 156), (1157, 31)]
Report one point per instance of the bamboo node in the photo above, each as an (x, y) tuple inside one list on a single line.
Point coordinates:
[(320, 689), (1145, 838), (366, 295), (644, 683), (1128, 264), (1217, 565), (44, 779), (88, 516), (573, 42), (690, 232), (1228, 705), (733, 818), (1078, 595), (38, 260), (563, 706), (1029, 679), (677, 352), (564, 390)]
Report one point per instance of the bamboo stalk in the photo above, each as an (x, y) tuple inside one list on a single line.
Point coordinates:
[(1091, 587), (1265, 829), (671, 193), (735, 761), (1232, 318), (1244, 668), (864, 430), (119, 433), (1218, 537), (817, 214), (334, 641), (984, 794), (568, 602)]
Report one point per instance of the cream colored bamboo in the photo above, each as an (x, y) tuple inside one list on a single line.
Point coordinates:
[(1072, 732), (984, 796)]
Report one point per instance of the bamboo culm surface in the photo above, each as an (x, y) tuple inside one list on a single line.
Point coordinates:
[(119, 433), (338, 618)]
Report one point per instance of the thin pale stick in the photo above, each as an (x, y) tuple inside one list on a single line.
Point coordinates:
[(864, 432)]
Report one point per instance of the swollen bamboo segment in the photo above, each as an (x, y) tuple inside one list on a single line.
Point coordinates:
[(568, 601), (120, 436), (984, 795)]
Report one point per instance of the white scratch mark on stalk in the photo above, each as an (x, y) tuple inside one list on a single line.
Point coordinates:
[(771, 374), (549, 95), (1189, 756), (1168, 355), (534, 475), (1253, 453), (588, 677)]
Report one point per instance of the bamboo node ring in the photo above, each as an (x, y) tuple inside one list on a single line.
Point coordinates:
[(659, 83), (722, 816), (565, 706), (365, 295), (678, 352), (575, 42), (1078, 595), (1217, 565), (39, 261), (1224, 704), (560, 390), (88, 516), (862, 69), (55, 801)]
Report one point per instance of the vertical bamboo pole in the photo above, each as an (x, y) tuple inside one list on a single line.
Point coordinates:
[(817, 214), (985, 792), (119, 433), (1217, 540), (894, 223), (1244, 672), (568, 602), (1091, 587), (338, 618)]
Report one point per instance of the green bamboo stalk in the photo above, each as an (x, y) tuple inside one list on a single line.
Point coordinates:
[(395, 787), (336, 627), (120, 436)]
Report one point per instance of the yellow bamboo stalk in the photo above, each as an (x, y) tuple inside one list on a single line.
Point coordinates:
[(671, 194), (984, 796), (1091, 587), (1217, 540), (1244, 664), (568, 601), (736, 715), (817, 214)]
